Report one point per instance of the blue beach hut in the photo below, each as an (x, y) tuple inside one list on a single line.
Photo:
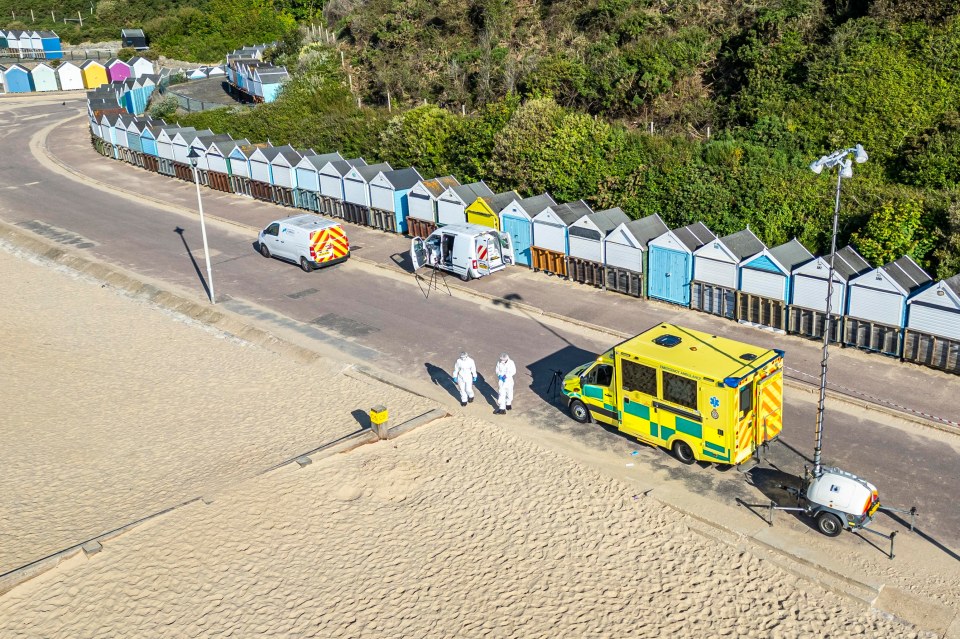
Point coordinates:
[(17, 79), (516, 218), (670, 268)]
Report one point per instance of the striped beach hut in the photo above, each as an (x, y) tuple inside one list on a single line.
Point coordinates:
[(877, 306), (44, 78), (932, 337), (670, 262), (331, 184), (452, 203), (356, 191), (117, 70), (765, 284), (388, 198), (69, 76), (551, 240), (626, 254), (307, 193), (808, 300), (422, 204), (585, 262), (17, 79), (485, 210), (516, 219), (94, 74), (716, 273)]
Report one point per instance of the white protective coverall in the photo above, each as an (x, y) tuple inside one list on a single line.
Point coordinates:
[(464, 374), (505, 372)]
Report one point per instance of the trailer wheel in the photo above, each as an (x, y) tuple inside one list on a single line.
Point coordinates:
[(829, 524), (264, 251), (579, 412), (305, 265), (683, 452)]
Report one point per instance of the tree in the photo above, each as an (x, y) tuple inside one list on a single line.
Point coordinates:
[(419, 137), (892, 232)]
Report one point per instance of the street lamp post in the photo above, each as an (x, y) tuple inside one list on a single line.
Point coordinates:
[(841, 161), (193, 156)]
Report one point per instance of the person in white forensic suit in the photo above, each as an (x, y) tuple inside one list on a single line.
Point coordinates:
[(506, 370), (465, 374)]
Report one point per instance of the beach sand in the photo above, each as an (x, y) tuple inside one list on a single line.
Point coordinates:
[(460, 528)]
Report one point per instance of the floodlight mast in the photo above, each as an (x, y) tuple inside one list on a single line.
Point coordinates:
[(841, 160)]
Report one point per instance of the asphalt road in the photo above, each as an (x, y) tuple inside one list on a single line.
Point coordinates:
[(389, 322)]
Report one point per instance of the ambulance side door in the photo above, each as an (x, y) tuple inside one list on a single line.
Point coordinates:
[(597, 392), (637, 399)]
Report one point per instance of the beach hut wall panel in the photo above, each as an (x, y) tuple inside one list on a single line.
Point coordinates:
[(282, 166), (94, 74), (70, 77), (626, 250), (356, 183), (516, 219), (422, 203), (181, 142), (550, 226), (810, 281), (259, 166), (134, 131), (331, 176), (117, 70), (309, 167), (388, 193), (122, 122), (239, 162), (587, 234), (52, 48), (767, 274), (936, 310), (44, 78), (717, 262), (485, 211), (16, 79), (881, 295), (140, 66), (452, 204), (670, 262), (165, 141), (35, 44)]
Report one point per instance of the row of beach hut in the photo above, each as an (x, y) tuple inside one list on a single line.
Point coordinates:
[(68, 76), (36, 45), (252, 77), (895, 309)]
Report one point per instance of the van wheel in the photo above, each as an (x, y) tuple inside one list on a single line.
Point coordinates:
[(465, 277), (305, 265), (683, 452), (264, 251), (579, 412), (829, 524)]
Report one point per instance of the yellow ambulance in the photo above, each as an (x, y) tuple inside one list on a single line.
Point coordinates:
[(703, 397)]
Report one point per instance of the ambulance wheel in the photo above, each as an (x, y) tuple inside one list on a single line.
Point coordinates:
[(579, 412), (829, 524), (264, 251), (683, 452), (305, 265)]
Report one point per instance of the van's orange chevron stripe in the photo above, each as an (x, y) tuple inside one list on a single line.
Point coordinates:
[(335, 239)]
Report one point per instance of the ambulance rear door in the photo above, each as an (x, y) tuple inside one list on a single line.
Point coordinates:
[(769, 406)]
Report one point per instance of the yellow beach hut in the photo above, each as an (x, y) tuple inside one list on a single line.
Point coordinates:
[(485, 210), (94, 74)]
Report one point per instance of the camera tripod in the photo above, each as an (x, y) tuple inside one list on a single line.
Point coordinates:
[(556, 383), (433, 281)]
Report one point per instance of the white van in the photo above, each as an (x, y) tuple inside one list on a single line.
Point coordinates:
[(308, 240), (467, 250)]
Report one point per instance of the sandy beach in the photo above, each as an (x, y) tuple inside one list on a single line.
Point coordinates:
[(115, 409)]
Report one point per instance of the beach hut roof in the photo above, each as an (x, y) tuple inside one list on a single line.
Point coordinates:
[(470, 192), (287, 152), (438, 185), (791, 255), (131, 33), (499, 201), (402, 178), (342, 167), (907, 274), (695, 235), (319, 161), (370, 171), (848, 264), (646, 228), (48, 34), (90, 63), (536, 203), (609, 219), (570, 212), (743, 244)]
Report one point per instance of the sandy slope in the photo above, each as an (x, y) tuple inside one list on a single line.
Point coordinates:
[(457, 529)]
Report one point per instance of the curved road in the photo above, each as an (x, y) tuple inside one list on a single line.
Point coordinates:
[(388, 321)]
